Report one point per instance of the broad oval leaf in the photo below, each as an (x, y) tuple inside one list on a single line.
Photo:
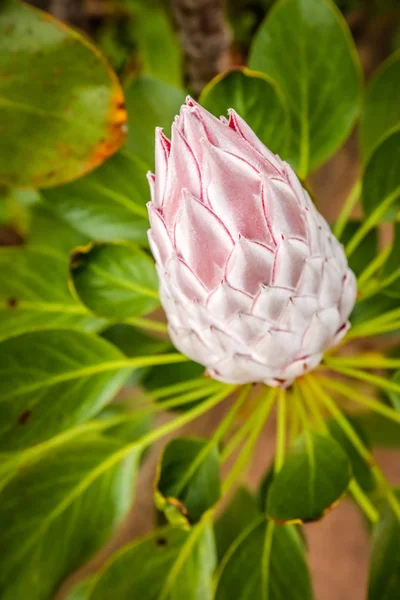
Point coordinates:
[(381, 181), (168, 563), (48, 229), (266, 561), (384, 575), (115, 280), (62, 505), (30, 299), (188, 481), (151, 103), (108, 204), (306, 47), (319, 470), (52, 380), (61, 106), (361, 470), (381, 111), (255, 97), (241, 512), (158, 46)]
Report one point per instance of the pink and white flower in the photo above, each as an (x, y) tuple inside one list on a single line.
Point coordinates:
[(254, 284)]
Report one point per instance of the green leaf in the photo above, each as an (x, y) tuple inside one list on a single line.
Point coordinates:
[(372, 307), (361, 470), (241, 511), (50, 230), (53, 380), (108, 204), (59, 506), (151, 103), (158, 45), (257, 98), (188, 481), (80, 591), (306, 47), (163, 375), (384, 576), (381, 182), (391, 268), (379, 430), (134, 342), (34, 293), (319, 470), (266, 561), (168, 564), (115, 280), (381, 111), (365, 252), (61, 107)]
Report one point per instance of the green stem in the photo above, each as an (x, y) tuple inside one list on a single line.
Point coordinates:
[(188, 398), (147, 324), (369, 271), (313, 407), (357, 443), (373, 219), (347, 209), (366, 401), (148, 361), (247, 450), (219, 433), (370, 330), (177, 388), (280, 431), (366, 361), (381, 382), (294, 418), (363, 501), (239, 436)]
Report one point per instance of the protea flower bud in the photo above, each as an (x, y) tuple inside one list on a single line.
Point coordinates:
[(254, 284)]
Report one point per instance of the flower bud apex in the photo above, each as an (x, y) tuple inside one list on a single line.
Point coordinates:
[(254, 284)]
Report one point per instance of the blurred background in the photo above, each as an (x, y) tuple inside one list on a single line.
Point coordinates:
[(186, 43)]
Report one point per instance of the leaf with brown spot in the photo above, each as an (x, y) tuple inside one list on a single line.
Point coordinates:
[(62, 108)]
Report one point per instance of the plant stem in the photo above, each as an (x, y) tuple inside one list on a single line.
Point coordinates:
[(363, 501), (306, 392), (347, 208), (381, 382), (176, 388), (188, 398), (365, 361), (373, 266), (373, 219), (368, 331), (357, 443), (247, 450), (356, 396), (219, 433), (294, 418), (280, 431), (147, 324), (148, 361), (239, 436)]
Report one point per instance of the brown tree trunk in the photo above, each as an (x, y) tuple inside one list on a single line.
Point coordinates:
[(205, 39)]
